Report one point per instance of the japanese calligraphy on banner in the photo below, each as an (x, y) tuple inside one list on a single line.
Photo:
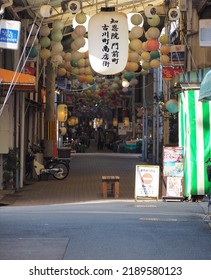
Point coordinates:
[(173, 161), (147, 181), (108, 42)]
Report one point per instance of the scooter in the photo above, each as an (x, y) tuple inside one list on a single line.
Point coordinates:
[(58, 168)]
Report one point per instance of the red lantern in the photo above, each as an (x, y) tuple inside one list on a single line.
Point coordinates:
[(82, 78), (152, 44)]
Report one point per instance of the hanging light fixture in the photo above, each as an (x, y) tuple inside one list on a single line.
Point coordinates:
[(62, 112), (108, 41)]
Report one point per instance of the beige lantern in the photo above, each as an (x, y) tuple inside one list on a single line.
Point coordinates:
[(108, 57), (126, 121), (115, 122), (62, 112)]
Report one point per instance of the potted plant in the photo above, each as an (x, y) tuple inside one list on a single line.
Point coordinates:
[(10, 165)]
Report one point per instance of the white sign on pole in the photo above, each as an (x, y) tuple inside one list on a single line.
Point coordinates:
[(9, 34), (147, 181)]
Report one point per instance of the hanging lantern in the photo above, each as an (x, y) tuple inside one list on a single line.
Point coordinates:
[(46, 11), (108, 41), (45, 53), (80, 30), (45, 42), (135, 45), (126, 121), (155, 63), (80, 18), (57, 59), (172, 106), (67, 56), (164, 59), (145, 56), (56, 35), (62, 72), (137, 31), (152, 44), (115, 122), (125, 83), (72, 121), (62, 130), (62, 112), (57, 47), (165, 49), (136, 19), (154, 54), (153, 32), (58, 25), (164, 39), (133, 56), (153, 21), (44, 30)]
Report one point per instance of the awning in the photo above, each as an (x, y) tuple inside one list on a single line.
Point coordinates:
[(205, 88), (22, 82)]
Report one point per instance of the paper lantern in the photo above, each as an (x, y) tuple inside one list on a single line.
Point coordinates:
[(84, 48), (89, 79), (79, 42), (57, 47), (62, 72), (155, 63), (58, 25), (137, 31), (126, 121), (133, 82), (115, 122), (135, 45), (145, 65), (45, 42), (72, 121), (67, 56), (46, 11), (80, 30), (136, 19), (165, 49), (144, 47), (33, 52), (45, 53), (153, 32), (128, 75), (164, 39), (33, 29), (164, 59), (57, 59), (108, 42), (131, 66), (145, 56), (62, 130), (85, 24), (62, 112), (56, 35), (81, 62), (153, 21), (81, 78), (133, 56), (172, 106), (80, 18), (44, 30), (152, 44), (154, 54)]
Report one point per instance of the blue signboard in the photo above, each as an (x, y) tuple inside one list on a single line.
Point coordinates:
[(9, 34)]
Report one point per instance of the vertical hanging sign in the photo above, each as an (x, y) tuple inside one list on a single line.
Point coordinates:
[(108, 41)]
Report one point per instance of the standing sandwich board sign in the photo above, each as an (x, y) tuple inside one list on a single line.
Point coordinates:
[(147, 181)]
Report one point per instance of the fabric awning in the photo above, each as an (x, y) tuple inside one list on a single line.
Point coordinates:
[(205, 88), (22, 82)]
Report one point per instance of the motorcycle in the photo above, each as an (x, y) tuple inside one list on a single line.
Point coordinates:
[(59, 168), (56, 167)]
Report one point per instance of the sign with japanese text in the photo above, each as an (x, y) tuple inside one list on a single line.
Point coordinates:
[(173, 161), (177, 55), (147, 181), (9, 34), (108, 42)]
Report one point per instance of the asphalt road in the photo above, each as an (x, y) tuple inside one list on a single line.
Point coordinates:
[(107, 230)]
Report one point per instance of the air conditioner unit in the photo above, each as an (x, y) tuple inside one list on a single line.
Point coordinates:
[(205, 32)]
